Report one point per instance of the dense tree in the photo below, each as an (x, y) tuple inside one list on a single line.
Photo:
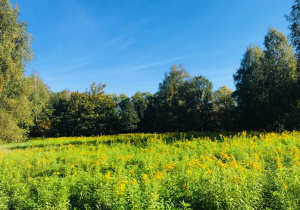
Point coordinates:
[(249, 93), (168, 98), (92, 112), (279, 64), (150, 120), (294, 20), (140, 101), (59, 113), (183, 102), (39, 98), (88, 113), (224, 106), (265, 83), (15, 53), (196, 103), (128, 116)]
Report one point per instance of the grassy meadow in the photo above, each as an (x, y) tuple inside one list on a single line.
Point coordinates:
[(153, 171)]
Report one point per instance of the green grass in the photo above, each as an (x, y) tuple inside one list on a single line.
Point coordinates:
[(153, 171)]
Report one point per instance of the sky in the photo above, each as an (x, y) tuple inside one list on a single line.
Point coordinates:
[(129, 45)]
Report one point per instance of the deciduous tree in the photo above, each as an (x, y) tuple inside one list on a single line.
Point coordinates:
[(168, 98), (224, 105), (128, 116), (15, 53), (266, 84)]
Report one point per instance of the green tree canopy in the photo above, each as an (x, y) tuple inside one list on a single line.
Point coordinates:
[(140, 101), (128, 116), (294, 19), (39, 98), (266, 83), (93, 112), (15, 53), (224, 105), (196, 104), (168, 98)]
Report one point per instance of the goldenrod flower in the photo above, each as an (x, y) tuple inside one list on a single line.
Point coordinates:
[(222, 165), (134, 182), (284, 186), (122, 186), (107, 176), (169, 166), (159, 175)]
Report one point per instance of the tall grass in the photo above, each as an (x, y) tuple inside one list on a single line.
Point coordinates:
[(153, 171)]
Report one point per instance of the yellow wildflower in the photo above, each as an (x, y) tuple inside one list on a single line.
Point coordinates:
[(257, 166), (222, 165), (159, 175), (284, 186), (122, 186), (224, 156), (169, 166), (134, 182), (209, 171), (107, 176)]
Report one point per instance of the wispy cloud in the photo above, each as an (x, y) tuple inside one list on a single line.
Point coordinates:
[(153, 64), (96, 57)]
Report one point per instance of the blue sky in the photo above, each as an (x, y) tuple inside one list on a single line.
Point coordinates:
[(129, 45)]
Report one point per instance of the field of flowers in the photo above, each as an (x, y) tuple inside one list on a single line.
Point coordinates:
[(153, 171)]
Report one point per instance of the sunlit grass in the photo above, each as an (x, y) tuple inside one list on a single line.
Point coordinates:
[(153, 171)]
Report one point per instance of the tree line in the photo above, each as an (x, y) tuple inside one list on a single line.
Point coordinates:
[(266, 96), (182, 103)]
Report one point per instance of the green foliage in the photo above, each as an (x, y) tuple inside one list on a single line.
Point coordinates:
[(197, 104), (224, 106), (58, 114), (9, 130), (249, 93), (279, 64), (168, 98), (184, 102), (153, 171), (140, 101), (39, 98), (150, 121), (92, 112), (15, 52), (294, 19), (128, 116), (266, 84)]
